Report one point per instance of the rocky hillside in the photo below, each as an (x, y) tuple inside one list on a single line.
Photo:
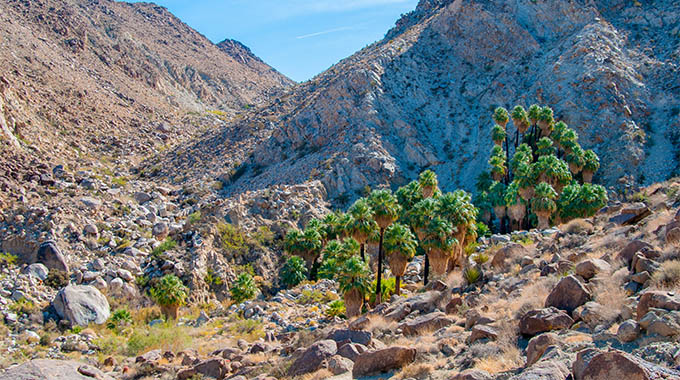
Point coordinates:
[(421, 98), (582, 301), (93, 79)]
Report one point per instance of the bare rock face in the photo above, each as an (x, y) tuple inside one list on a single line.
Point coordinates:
[(631, 249), (568, 294), (313, 357), (81, 305), (54, 370), (544, 320), (374, 362), (394, 108), (589, 268), (620, 365)]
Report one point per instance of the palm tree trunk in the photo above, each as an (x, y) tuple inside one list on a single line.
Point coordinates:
[(398, 285), (378, 290), (427, 268), (517, 139), (363, 249)]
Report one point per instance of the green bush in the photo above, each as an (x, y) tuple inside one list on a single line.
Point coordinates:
[(165, 246), (388, 286), (57, 279), (472, 275), (7, 260), (336, 309), (212, 279), (232, 239), (293, 272), (195, 217), (244, 288), (120, 318), (169, 291)]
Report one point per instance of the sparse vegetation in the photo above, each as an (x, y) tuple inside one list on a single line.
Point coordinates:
[(169, 293), (293, 272), (57, 279), (7, 260), (165, 246), (244, 288)]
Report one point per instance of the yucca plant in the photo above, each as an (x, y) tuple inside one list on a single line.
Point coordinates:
[(498, 134), (500, 116), (520, 118), (354, 283), (472, 275), (386, 210), (543, 204), (400, 247), (169, 293), (428, 183), (590, 166)]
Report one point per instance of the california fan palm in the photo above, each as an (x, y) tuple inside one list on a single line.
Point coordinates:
[(386, 210), (500, 116), (400, 247), (354, 283), (363, 224), (591, 165), (520, 118), (543, 204), (428, 183), (438, 244)]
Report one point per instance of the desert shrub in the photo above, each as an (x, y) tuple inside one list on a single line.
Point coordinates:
[(668, 276), (165, 336), (472, 275), (57, 279), (293, 272), (388, 286), (212, 279), (194, 217), (7, 260), (232, 239), (120, 318), (309, 297), (248, 329), (480, 258), (244, 288), (23, 306), (165, 246), (336, 309)]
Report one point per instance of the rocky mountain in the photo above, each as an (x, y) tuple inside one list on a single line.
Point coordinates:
[(422, 97), (82, 78)]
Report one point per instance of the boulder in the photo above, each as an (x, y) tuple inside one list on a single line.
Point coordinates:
[(53, 370), (213, 368), (620, 365), (81, 305), (632, 214), (629, 251), (592, 313), (628, 331), (545, 370), (142, 197), (50, 255), (537, 346), (374, 362), (338, 364), (583, 358), (454, 305), (544, 320), (512, 250), (662, 323), (313, 357), (354, 336), (658, 300), (589, 268), (160, 231), (352, 351), (568, 294), (482, 332), (398, 312), (426, 323), (37, 270)]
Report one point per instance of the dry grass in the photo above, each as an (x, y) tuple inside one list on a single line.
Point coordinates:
[(378, 323), (668, 276), (532, 297), (610, 293), (511, 357), (578, 338), (579, 226), (422, 344), (318, 375), (419, 371)]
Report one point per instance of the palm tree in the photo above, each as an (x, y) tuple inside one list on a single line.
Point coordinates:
[(543, 204), (344, 228), (498, 163), (438, 243), (386, 210), (498, 134), (500, 116), (419, 219), (306, 244), (497, 197), (354, 284), (545, 120), (552, 170), (533, 113), (557, 134), (408, 196), (576, 159), (526, 180), (516, 207), (170, 293), (332, 258), (520, 118), (544, 147), (362, 223), (428, 183), (569, 140), (457, 208), (330, 226), (400, 247), (591, 165)]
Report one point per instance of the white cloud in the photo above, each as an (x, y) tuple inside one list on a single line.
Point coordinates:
[(342, 29)]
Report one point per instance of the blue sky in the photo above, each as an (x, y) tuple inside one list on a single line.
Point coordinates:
[(300, 38)]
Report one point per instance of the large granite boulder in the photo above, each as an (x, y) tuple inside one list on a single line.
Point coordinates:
[(374, 362), (81, 305), (53, 370)]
